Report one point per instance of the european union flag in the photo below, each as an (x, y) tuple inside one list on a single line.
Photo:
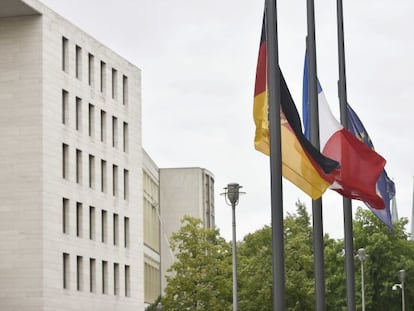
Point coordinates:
[(385, 186)]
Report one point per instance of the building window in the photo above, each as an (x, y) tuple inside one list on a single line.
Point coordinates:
[(116, 229), (79, 219), (127, 281), (103, 126), (116, 279), (92, 275), (114, 180), (91, 171), (78, 114), (91, 69), (65, 161), (91, 120), (104, 226), (65, 215), (78, 62), (125, 137), (66, 271), (126, 184), (79, 273), (152, 286), (114, 83), (103, 77), (78, 166), (92, 227), (114, 132), (103, 176), (151, 225), (124, 90), (65, 54), (126, 232), (65, 107), (104, 277)]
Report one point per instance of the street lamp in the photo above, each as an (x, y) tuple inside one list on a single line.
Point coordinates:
[(231, 194), (401, 276), (362, 255)]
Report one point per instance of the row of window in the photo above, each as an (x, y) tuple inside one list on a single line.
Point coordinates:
[(151, 225), (78, 212), (79, 172), (92, 287), (151, 215), (90, 68), (150, 187), (152, 288), (209, 220), (78, 107)]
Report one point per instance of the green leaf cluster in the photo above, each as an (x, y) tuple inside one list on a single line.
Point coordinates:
[(387, 254), (201, 277)]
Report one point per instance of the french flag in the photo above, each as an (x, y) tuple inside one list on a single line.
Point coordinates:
[(385, 186), (360, 166)]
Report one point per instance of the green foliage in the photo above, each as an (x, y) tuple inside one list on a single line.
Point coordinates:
[(335, 275), (299, 261), (255, 271), (153, 306), (387, 254), (255, 266), (201, 276)]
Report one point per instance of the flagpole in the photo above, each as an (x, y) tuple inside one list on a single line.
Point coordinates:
[(273, 76), (347, 204), (412, 218), (314, 135)]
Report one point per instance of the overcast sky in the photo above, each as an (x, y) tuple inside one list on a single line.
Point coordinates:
[(198, 61)]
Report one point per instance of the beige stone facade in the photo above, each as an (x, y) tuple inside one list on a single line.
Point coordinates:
[(183, 191), (85, 214), (70, 225), (152, 230)]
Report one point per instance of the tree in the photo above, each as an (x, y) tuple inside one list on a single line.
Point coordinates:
[(202, 273), (201, 276), (387, 254), (255, 266), (255, 271), (154, 305), (299, 261), (335, 274)]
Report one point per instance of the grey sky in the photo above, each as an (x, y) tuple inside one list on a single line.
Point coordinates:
[(198, 61)]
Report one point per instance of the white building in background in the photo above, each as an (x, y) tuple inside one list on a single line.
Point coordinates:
[(169, 195), (85, 214), (183, 191), (152, 238), (70, 226)]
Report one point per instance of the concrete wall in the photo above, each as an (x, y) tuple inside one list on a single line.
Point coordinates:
[(182, 193), (32, 189), (21, 187)]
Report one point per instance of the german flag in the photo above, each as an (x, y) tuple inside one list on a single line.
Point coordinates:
[(302, 163)]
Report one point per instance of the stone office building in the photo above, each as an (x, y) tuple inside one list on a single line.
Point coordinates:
[(85, 214), (70, 226)]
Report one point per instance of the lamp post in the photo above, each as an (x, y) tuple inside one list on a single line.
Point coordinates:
[(401, 276), (362, 255), (231, 193)]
